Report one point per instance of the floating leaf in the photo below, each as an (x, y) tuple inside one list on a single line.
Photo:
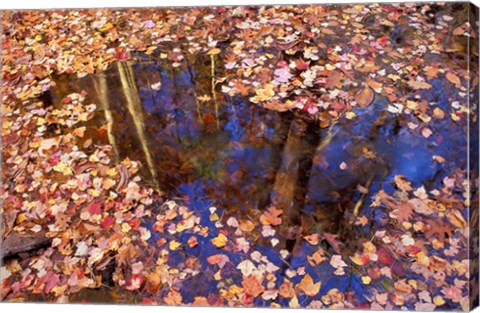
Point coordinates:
[(308, 287), (220, 241), (415, 84), (271, 217), (252, 286), (364, 97), (453, 78), (214, 51)]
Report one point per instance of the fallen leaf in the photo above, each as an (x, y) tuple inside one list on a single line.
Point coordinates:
[(308, 287), (415, 84), (271, 217), (214, 51), (252, 286), (453, 79), (220, 241), (364, 97)]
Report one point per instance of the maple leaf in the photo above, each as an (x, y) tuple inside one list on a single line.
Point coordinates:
[(312, 239), (360, 259), (361, 221), (271, 217), (263, 94), (282, 75), (402, 183), (316, 258), (173, 298), (308, 287), (252, 286), (246, 267), (335, 80)]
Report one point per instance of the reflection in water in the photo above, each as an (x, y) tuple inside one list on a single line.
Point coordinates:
[(134, 106), (226, 152)]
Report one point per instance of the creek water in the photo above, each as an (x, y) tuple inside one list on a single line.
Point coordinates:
[(206, 149)]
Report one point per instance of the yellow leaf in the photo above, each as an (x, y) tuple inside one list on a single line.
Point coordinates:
[(246, 225), (263, 94), (438, 301), (456, 218), (308, 287), (360, 259), (173, 245), (419, 85), (220, 241), (438, 113), (366, 280), (214, 51)]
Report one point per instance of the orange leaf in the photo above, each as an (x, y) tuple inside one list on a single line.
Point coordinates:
[(308, 287), (453, 78), (173, 298), (252, 286), (220, 259), (271, 217), (286, 289), (360, 259), (402, 183)]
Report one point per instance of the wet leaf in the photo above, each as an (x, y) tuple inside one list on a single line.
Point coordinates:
[(308, 287), (220, 241), (364, 97)]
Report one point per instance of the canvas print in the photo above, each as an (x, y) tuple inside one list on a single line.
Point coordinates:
[(298, 156)]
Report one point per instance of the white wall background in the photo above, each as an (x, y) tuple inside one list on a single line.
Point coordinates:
[(68, 308)]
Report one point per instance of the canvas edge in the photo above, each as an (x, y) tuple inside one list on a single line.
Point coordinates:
[(473, 162)]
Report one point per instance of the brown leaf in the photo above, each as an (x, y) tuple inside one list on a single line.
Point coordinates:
[(333, 241), (334, 80), (364, 97), (453, 79)]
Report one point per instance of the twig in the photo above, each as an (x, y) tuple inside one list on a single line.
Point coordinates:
[(214, 95)]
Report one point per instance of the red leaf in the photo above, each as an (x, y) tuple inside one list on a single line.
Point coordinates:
[(108, 222), (95, 208), (384, 257)]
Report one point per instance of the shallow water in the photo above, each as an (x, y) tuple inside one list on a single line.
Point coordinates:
[(239, 157)]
